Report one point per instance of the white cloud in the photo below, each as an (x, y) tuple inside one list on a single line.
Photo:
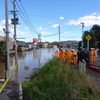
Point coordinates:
[(45, 32), (61, 18), (27, 27), (11, 30), (94, 13), (41, 28), (21, 33), (54, 25), (66, 32), (50, 22), (88, 20), (45, 28)]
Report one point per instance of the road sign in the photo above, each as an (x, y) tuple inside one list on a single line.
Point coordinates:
[(88, 37)]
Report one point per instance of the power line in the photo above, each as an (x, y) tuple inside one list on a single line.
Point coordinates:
[(69, 29), (50, 35), (27, 21), (45, 16), (51, 17), (21, 35), (60, 32), (28, 17)]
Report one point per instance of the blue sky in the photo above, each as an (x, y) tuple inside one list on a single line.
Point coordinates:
[(44, 17)]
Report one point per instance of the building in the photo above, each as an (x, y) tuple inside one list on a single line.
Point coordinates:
[(70, 44), (44, 45), (10, 41), (21, 44)]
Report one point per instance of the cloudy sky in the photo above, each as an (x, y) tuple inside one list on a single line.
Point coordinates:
[(44, 17)]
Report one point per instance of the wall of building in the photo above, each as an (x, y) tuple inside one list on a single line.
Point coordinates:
[(10, 41)]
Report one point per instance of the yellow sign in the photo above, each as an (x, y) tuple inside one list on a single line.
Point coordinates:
[(88, 37)]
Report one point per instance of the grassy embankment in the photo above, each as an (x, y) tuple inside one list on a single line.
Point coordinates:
[(57, 81)]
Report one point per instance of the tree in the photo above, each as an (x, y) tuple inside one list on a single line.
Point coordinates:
[(98, 45), (79, 44), (96, 30), (92, 41), (2, 50)]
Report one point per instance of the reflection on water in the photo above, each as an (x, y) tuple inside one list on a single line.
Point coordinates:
[(34, 59), (2, 70), (21, 55), (35, 54)]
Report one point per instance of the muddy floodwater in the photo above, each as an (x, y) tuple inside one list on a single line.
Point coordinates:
[(31, 60)]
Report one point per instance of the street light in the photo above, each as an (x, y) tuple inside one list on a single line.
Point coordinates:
[(82, 34)]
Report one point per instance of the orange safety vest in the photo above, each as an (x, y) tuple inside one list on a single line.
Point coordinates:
[(74, 57), (91, 56), (94, 53), (56, 53), (61, 54), (94, 57), (69, 54)]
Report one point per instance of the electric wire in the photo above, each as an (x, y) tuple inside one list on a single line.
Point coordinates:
[(25, 22), (20, 35), (45, 16), (60, 32), (26, 19), (50, 35)]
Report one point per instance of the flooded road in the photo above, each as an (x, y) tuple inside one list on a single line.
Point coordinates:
[(31, 59)]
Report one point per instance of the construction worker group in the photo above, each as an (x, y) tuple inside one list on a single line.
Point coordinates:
[(71, 56)]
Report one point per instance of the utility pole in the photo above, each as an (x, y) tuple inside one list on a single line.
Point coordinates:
[(82, 34), (7, 40), (59, 37), (88, 44), (15, 22), (39, 50), (39, 39), (16, 57)]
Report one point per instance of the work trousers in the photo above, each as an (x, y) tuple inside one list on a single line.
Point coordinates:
[(82, 67)]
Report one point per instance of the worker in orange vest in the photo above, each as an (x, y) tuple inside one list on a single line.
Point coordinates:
[(94, 56), (66, 56), (69, 54), (61, 55), (56, 54), (74, 57), (91, 55)]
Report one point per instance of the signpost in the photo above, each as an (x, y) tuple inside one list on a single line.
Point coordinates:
[(88, 38)]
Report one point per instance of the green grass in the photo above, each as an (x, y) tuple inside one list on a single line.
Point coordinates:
[(57, 81)]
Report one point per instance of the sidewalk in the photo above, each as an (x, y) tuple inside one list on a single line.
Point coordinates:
[(97, 63), (11, 91)]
